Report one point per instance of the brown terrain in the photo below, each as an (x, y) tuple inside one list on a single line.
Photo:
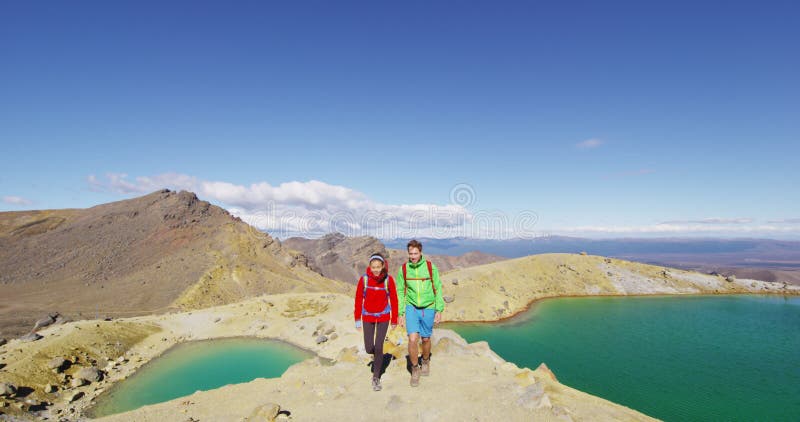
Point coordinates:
[(783, 266), (158, 252), (344, 258)]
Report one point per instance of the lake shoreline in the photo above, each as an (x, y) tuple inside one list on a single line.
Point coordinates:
[(91, 410), (699, 357), (535, 301)]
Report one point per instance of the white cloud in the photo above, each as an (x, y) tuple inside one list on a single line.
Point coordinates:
[(711, 221), (314, 208), (307, 208), (785, 221), (16, 200), (589, 143)]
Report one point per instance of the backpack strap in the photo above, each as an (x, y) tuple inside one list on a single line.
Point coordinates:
[(405, 283), (430, 273)]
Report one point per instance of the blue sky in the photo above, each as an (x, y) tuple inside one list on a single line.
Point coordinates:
[(603, 119)]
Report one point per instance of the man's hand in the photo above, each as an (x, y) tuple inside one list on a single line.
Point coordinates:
[(360, 329), (401, 320), (437, 318)]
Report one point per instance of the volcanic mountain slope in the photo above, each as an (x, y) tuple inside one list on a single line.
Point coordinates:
[(153, 253), (344, 258)]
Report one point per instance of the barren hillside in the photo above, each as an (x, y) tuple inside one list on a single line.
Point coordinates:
[(148, 254)]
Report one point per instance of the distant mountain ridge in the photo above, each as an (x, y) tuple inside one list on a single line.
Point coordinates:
[(345, 258), (763, 259), (516, 248)]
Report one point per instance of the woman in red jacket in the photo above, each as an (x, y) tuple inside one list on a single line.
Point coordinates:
[(375, 307)]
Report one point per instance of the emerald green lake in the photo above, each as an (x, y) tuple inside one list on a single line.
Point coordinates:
[(200, 365), (673, 358)]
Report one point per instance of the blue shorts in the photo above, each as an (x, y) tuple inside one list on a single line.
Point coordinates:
[(419, 321)]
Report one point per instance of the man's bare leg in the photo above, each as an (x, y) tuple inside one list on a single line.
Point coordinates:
[(413, 348), (426, 348)]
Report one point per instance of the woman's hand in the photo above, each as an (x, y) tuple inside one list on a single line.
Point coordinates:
[(402, 320)]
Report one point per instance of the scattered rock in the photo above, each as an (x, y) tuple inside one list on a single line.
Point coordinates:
[(44, 322), (730, 279), (78, 382), (30, 337), (58, 364), (91, 374), (607, 260), (75, 397), (502, 289), (449, 299), (265, 412), (321, 339), (334, 336), (543, 367), (583, 253), (217, 319), (50, 388), (2, 341), (7, 389), (455, 282)]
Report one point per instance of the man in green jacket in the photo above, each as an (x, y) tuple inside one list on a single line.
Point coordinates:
[(420, 303)]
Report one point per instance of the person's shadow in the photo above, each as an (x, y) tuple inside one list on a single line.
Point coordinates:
[(385, 362)]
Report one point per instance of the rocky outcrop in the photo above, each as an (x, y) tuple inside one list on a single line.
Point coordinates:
[(337, 256), (90, 374)]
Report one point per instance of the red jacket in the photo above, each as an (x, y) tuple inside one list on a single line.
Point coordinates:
[(376, 299)]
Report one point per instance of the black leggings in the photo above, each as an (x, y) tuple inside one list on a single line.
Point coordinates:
[(374, 334)]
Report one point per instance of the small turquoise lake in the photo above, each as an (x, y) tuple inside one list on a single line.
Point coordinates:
[(200, 365), (733, 358)]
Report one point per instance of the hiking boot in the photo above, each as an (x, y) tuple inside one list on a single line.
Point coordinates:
[(415, 370), (425, 367), (376, 384)]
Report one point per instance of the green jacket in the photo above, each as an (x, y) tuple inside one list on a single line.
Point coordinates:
[(419, 293)]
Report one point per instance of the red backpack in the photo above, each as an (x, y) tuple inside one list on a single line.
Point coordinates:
[(405, 279)]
